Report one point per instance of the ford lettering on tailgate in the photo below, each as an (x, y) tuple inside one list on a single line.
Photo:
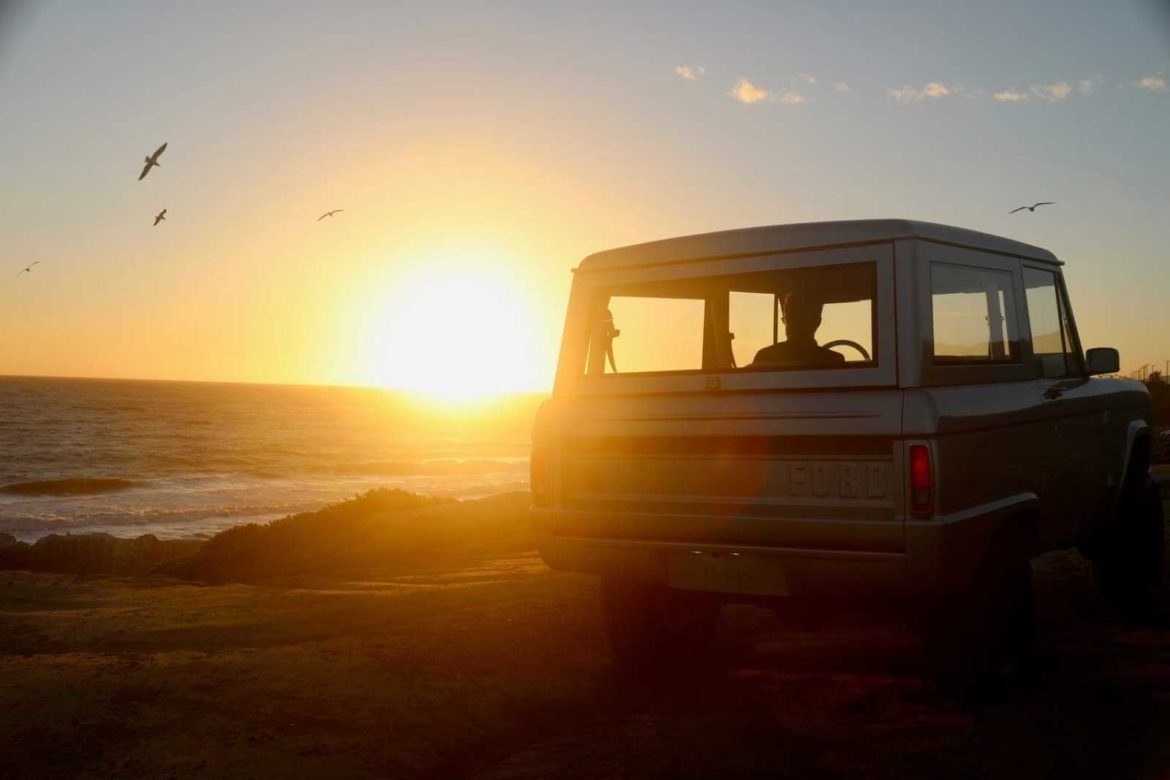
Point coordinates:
[(809, 479)]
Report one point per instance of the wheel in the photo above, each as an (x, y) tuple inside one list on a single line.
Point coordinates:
[(652, 625), (1127, 568), (986, 629), (848, 343)]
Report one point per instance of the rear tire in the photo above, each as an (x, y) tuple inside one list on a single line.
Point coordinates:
[(1128, 567), (652, 626), (986, 629)]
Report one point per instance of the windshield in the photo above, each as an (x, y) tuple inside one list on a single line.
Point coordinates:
[(795, 319)]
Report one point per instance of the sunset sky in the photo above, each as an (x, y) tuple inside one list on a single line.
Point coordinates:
[(480, 150)]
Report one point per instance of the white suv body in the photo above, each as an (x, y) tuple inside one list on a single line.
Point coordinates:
[(675, 454)]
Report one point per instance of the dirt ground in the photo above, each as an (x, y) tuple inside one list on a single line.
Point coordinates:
[(497, 669)]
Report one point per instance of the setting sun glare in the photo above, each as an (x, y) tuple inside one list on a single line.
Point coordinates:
[(458, 331)]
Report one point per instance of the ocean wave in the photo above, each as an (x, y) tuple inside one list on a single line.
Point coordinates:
[(424, 468), (73, 486), (110, 407), (150, 518), (154, 514)]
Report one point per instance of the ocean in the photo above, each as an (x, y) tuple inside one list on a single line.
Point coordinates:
[(187, 459)]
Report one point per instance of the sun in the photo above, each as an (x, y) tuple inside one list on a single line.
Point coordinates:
[(457, 332)]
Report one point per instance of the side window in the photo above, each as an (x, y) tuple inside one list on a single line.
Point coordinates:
[(1050, 339), (974, 316), (1074, 358)]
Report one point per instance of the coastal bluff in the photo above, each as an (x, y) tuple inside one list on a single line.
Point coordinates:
[(380, 528)]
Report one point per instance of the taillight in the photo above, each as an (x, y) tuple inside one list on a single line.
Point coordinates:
[(540, 476), (921, 481)]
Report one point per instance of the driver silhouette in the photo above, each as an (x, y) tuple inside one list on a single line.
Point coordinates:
[(802, 316)]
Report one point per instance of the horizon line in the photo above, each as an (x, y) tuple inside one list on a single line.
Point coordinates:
[(387, 388)]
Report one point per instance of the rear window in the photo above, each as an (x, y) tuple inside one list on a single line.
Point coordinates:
[(795, 319), (657, 334)]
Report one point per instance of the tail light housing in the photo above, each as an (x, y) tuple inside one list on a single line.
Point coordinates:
[(540, 476), (921, 481)]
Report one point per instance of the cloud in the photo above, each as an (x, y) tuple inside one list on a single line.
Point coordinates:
[(690, 72), (1052, 93), (1048, 93), (746, 92), (841, 86), (1154, 83), (909, 94), (804, 78), (1010, 96)]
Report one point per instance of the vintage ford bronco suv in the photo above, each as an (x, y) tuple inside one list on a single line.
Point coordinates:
[(886, 412)]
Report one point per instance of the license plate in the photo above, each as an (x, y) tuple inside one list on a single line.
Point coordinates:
[(726, 572)]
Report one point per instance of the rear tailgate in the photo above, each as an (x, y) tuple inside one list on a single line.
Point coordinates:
[(805, 470)]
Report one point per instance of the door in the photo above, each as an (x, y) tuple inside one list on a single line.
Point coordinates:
[(1079, 485), (999, 429)]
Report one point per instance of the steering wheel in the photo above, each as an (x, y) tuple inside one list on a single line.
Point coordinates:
[(848, 343)]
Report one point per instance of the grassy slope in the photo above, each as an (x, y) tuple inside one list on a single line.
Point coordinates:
[(380, 529), (89, 554), (377, 529)]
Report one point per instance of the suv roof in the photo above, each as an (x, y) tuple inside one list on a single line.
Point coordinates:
[(803, 235)]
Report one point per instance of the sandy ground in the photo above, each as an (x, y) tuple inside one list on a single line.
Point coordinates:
[(496, 668)]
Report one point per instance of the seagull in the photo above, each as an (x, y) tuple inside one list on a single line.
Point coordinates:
[(161, 217), (1033, 206), (28, 270), (151, 162), (328, 214)]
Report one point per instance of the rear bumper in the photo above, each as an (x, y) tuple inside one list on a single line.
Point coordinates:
[(932, 558), (806, 573)]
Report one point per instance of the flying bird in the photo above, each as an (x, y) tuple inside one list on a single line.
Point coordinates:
[(28, 269), (328, 214), (1033, 206), (151, 162), (160, 217)]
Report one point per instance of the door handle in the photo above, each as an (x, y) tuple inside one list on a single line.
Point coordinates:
[(1053, 393)]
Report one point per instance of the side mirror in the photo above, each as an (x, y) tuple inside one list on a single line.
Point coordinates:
[(1102, 360)]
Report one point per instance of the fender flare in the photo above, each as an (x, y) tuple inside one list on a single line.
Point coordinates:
[(1137, 429), (944, 553)]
